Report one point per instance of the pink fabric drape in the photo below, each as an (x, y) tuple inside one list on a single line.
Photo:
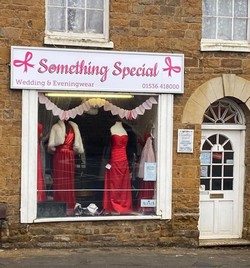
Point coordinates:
[(146, 187)]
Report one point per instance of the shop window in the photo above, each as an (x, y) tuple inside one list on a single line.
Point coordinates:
[(78, 23), (97, 157), (225, 25)]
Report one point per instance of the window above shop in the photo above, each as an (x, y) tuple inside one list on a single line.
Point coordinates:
[(78, 23), (225, 25)]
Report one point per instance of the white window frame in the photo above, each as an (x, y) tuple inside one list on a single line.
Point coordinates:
[(29, 168), (227, 45), (82, 40)]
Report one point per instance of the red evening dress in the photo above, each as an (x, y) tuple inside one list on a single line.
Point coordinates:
[(117, 186), (64, 172), (40, 183)]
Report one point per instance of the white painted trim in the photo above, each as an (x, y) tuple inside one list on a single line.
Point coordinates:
[(56, 40), (241, 183), (98, 218), (221, 45), (29, 156), (29, 163), (225, 127), (164, 156), (219, 237)]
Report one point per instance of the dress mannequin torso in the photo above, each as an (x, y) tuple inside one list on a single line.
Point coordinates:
[(118, 129)]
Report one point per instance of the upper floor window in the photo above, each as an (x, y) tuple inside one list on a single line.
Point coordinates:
[(77, 22), (225, 25)]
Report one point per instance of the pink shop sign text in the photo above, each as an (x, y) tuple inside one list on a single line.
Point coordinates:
[(64, 69)]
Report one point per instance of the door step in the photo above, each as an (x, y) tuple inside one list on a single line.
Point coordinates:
[(223, 242)]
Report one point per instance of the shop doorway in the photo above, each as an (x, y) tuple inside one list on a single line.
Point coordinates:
[(222, 171)]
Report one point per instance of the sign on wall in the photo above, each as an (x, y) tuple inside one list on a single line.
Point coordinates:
[(71, 69), (185, 141)]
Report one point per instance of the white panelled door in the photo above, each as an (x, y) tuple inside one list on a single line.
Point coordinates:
[(221, 184)]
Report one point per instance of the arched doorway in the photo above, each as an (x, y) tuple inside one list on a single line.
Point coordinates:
[(222, 171)]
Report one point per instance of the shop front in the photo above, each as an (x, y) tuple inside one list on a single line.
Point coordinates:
[(97, 133)]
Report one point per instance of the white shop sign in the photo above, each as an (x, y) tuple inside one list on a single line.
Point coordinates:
[(73, 69)]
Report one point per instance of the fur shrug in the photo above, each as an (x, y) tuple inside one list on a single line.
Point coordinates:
[(57, 137)]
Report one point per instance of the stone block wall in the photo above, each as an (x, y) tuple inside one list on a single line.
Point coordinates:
[(169, 26)]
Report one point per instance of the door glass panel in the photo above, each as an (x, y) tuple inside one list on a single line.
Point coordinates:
[(207, 145), (228, 184), (205, 171), (222, 139), (205, 158), (228, 157), (206, 182), (217, 163), (216, 171), (228, 171), (212, 139), (228, 146), (216, 184), (217, 157)]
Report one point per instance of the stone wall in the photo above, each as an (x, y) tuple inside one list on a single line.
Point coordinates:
[(170, 26)]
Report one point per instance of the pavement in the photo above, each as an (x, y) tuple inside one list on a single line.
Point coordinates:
[(126, 257)]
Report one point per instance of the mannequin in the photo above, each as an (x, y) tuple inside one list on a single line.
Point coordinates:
[(64, 142), (117, 196), (118, 129)]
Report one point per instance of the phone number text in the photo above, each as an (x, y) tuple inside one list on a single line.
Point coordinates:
[(161, 86)]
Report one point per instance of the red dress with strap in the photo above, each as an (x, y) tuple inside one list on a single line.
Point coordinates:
[(64, 172)]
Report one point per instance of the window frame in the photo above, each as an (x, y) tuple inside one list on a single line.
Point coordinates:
[(83, 39), (164, 150), (227, 45)]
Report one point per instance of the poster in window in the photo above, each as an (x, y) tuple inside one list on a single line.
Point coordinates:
[(185, 140), (204, 171), (205, 158), (149, 171)]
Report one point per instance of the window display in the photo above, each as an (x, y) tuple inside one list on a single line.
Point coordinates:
[(94, 153)]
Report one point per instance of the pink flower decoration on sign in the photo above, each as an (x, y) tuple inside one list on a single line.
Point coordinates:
[(25, 62), (171, 68)]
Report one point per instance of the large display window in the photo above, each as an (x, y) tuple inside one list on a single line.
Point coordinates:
[(102, 150), (97, 156)]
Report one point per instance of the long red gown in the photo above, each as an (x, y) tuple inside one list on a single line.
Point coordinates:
[(117, 186), (64, 172), (40, 183)]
